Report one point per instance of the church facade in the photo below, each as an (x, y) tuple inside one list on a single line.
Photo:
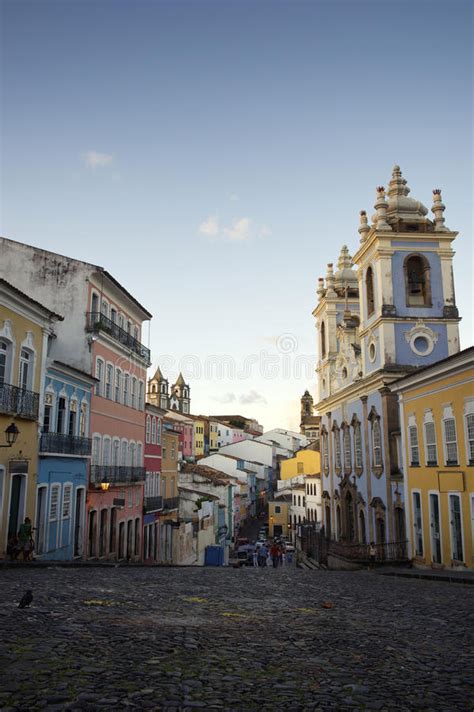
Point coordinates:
[(177, 399), (385, 311)]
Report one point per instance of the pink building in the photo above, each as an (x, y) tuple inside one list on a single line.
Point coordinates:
[(238, 435), (153, 501), (184, 426)]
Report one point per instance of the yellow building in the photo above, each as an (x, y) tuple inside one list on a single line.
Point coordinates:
[(25, 327), (213, 435), (305, 462), (278, 518), (437, 417), (199, 427), (169, 492)]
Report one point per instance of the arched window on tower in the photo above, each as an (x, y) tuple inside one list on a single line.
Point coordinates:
[(369, 289), (323, 340), (417, 281)]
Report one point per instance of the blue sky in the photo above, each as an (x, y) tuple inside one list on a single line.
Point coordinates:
[(214, 157)]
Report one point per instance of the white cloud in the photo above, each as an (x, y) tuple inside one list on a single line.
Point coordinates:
[(239, 231), (225, 398), (209, 227), (94, 159), (264, 231), (251, 397)]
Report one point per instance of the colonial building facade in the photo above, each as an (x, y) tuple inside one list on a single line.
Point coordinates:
[(387, 310)]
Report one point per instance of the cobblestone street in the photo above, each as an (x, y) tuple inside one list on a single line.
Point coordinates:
[(171, 639)]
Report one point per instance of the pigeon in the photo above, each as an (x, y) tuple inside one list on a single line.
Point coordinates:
[(26, 599)]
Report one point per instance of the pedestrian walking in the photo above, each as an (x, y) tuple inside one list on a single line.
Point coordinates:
[(255, 557), (262, 556), (372, 553), (274, 553)]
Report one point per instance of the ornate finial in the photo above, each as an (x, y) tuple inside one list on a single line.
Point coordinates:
[(364, 227), (381, 207), (320, 290), (330, 291), (345, 260), (438, 209)]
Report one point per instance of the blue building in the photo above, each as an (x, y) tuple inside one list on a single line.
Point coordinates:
[(64, 456), (375, 324)]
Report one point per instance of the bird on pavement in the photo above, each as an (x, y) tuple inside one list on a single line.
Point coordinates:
[(26, 599)]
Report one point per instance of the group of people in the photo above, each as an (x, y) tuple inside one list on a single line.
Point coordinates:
[(274, 555), (22, 542)]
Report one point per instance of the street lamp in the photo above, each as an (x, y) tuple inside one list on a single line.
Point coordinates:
[(11, 435), (105, 484)]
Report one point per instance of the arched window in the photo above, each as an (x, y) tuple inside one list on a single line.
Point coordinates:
[(323, 340), (347, 450), (148, 428), (376, 444), (417, 281), (5, 350), (413, 442), (153, 431), (369, 290), (337, 448), (357, 445)]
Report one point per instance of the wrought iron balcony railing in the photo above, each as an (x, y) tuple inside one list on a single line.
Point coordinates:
[(98, 322), (390, 551), (65, 444), (19, 401), (171, 503), (116, 474), (152, 504)]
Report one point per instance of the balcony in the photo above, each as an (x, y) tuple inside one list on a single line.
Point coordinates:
[(171, 503), (98, 322), (152, 504), (61, 444), (19, 402), (116, 474)]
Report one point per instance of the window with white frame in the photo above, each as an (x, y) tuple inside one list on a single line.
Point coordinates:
[(118, 381), (450, 438), (347, 449), (139, 462), (99, 374), (106, 452), (71, 427), (134, 393), (123, 453), (358, 445), (324, 445), (109, 376), (67, 497), (104, 307), (141, 396), (116, 452), (126, 380), (148, 429), (96, 450), (83, 420), (413, 441), (337, 448), (431, 451), (376, 443), (4, 361), (158, 431), (469, 430), (153, 431), (25, 378), (131, 454), (417, 524), (54, 502)]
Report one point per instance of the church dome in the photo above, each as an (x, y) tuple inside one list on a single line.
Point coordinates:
[(400, 206)]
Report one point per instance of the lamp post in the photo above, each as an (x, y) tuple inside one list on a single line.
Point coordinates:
[(11, 435), (105, 484)]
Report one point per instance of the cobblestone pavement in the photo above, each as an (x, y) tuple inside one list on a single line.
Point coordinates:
[(177, 639)]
